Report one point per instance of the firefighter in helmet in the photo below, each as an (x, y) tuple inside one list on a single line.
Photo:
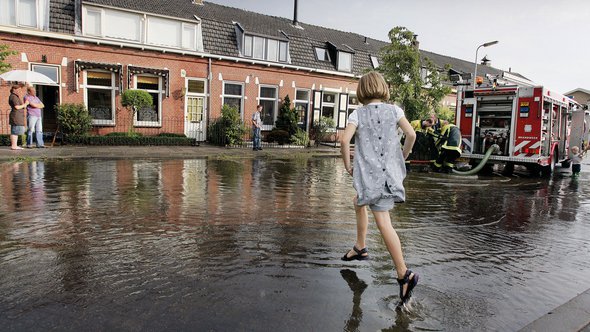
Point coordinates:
[(449, 145)]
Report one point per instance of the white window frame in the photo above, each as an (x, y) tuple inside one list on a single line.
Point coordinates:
[(275, 100), (197, 94), (334, 106), (340, 56), (278, 57), (327, 57), (374, 61), (113, 88), (57, 67), (302, 101), (39, 19), (224, 95), (160, 92), (100, 11), (186, 25)]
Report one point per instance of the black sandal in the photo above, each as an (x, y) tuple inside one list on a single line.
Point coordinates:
[(359, 255), (411, 284)]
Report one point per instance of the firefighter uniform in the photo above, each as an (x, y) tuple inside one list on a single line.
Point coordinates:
[(449, 145), (424, 148)]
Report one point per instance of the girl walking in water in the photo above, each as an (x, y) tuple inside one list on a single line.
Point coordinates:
[(379, 171)]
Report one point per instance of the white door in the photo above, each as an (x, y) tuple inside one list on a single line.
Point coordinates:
[(195, 119)]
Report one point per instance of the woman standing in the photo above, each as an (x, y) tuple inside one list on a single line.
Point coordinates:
[(17, 116)]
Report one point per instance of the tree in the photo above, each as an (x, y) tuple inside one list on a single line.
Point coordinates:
[(287, 117), (135, 100), (415, 82), (5, 53)]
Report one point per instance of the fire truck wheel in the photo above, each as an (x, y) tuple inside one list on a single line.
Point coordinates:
[(508, 169)]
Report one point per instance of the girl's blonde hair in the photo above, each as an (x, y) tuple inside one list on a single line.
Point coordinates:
[(372, 85)]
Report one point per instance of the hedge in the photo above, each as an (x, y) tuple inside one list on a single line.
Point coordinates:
[(126, 140), (4, 140)]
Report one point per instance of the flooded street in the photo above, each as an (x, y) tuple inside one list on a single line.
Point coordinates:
[(255, 245)]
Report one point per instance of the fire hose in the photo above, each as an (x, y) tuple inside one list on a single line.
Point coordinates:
[(481, 164)]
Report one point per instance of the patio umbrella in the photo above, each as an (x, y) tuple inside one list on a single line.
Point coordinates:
[(26, 76)]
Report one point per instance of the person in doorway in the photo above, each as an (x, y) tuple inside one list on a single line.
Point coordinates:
[(378, 171), (256, 128), (17, 118), (34, 120)]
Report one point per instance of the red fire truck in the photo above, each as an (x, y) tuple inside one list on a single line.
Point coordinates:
[(530, 124)]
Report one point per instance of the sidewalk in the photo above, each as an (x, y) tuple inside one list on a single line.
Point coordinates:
[(160, 152), (572, 316)]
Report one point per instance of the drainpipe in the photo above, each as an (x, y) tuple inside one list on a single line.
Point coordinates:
[(209, 82)]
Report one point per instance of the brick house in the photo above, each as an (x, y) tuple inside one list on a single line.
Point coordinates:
[(191, 56)]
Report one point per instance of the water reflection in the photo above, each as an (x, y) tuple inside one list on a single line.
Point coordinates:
[(255, 244)]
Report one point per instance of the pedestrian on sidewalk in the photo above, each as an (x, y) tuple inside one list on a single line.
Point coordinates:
[(256, 128), (379, 170), (34, 118), (17, 119)]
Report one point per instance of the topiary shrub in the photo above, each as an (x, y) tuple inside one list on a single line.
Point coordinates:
[(73, 119)]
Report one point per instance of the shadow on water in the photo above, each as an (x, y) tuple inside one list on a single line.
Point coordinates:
[(255, 245)]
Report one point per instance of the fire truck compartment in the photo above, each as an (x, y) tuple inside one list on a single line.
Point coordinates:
[(492, 125)]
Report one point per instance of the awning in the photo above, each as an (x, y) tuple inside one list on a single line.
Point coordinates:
[(164, 73), (80, 65)]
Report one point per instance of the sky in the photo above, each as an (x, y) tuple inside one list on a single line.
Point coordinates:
[(547, 41)]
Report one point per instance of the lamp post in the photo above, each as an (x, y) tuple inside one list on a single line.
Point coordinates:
[(480, 46)]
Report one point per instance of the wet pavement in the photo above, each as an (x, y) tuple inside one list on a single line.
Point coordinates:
[(254, 244)]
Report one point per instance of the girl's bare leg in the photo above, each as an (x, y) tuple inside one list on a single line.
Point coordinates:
[(391, 240), (362, 225)]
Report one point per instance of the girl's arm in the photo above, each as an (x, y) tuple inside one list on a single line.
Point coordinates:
[(410, 136), (345, 146)]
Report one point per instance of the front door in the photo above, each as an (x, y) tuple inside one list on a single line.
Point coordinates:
[(194, 124), (195, 119)]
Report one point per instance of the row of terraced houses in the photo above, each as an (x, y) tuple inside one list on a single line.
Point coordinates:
[(192, 57)]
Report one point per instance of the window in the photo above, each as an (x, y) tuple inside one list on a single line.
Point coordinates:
[(47, 70), (328, 105), (146, 29), (344, 61), (195, 100), (268, 98), (100, 96), (265, 48), (374, 61), (322, 54), (233, 95), (25, 13), (150, 116), (302, 106)]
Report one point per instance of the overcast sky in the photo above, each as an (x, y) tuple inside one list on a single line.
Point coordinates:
[(544, 40)]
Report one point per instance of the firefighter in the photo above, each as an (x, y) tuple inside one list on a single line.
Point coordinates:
[(422, 126), (449, 145)]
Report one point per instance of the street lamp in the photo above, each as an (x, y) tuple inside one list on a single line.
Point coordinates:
[(482, 45)]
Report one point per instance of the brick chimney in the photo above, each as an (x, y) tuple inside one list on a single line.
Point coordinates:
[(197, 2)]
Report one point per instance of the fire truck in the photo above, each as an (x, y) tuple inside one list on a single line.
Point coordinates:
[(529, 125)]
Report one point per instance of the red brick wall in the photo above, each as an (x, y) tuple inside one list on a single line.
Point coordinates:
[(173, 106)]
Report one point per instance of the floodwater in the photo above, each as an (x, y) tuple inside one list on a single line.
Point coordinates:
[(255, 245)]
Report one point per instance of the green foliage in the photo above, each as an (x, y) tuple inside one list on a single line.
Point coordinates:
[(4, 140), (287, 117), (227, 130), (73, 119), (127, 134), (129, 140), (446, 113), (136, 99), (5, 53), (415, 82), (301, 137), (278, 135), (171, 135), (320, 129)]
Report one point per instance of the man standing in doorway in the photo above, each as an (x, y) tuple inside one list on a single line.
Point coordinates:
[(34, 118), (256, 128)]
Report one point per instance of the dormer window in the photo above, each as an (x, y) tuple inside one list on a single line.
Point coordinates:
[(374, 61), (141, 28), (322, 54), (344, 61), (25, 13), (265, 48)]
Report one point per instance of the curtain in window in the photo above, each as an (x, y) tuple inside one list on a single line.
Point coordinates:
[(80, 65), (164, 73)]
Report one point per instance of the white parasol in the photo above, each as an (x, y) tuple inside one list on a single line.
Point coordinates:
[(26, 76)]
